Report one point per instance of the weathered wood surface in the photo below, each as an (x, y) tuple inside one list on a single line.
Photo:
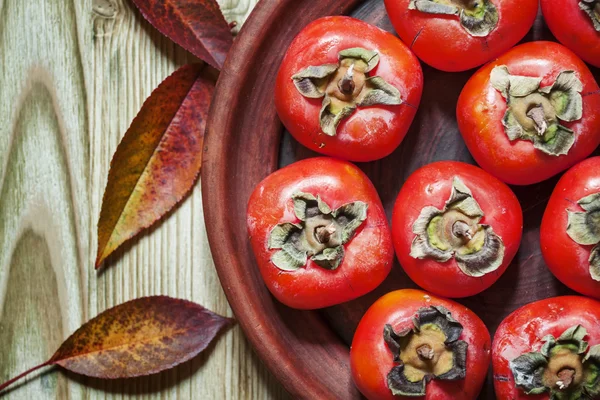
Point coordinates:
[(73, 74)]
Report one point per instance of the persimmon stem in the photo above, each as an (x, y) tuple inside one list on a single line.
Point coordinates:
[(323, 233), (462, 230), (566, 376), (346, 84), (16, 378), (425, 352), (537, 115)]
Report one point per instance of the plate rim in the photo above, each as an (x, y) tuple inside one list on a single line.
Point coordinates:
[(290, 368)]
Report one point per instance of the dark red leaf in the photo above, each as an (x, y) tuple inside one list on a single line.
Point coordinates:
[(196, 25)]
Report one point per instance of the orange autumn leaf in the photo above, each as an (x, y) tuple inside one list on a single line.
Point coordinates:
[(158, 160), (140, 337)]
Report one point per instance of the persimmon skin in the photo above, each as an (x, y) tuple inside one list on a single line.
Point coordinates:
[(371, 360), (368, 255), (370, 133), (481, 107), (573, 28), (431, 186), (441, 42), (566, 259), (523, 331)]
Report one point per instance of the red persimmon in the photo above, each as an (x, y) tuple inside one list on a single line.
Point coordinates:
[(549, 349), (455, 228), (319, 233), (576, 24), (456, 35), (531, 113), (410, 343), (570, 230), (348, 89)]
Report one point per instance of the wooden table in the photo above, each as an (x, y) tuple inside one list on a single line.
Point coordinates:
[(73, 74)]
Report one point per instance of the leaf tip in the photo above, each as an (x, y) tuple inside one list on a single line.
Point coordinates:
[(227, 324), (100, 257)]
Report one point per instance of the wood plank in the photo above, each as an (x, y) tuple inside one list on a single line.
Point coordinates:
[(73, 74)]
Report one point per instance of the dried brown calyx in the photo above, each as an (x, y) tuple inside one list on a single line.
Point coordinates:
[(456, 231), (584, 228), (345, 86), (534, 113), (320, 235), (429, 350), (592, 9), (477, 17), (564, 367)]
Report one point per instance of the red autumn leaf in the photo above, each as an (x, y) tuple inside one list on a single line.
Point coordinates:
[(196, 25), (158, 160), (140, 337)]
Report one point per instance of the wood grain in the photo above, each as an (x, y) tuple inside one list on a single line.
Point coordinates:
[(73, 74), (245, 130)]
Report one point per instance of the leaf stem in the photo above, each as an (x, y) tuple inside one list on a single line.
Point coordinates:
[(16, 378)]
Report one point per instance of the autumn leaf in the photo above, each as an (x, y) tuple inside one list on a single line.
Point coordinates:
[(158, 160), (196, 25), (140, 337)]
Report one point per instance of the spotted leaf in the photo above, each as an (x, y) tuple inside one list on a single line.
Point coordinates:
[(140, 337)]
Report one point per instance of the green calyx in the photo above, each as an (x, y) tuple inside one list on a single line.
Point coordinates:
[(429, 350), (478, 17), (320, 234), (584, 229), (566, 367), (456, 232), (534, 113), (592, 9), (345, 86)]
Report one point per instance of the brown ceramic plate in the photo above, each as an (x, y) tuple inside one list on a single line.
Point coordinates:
[(245, 141)]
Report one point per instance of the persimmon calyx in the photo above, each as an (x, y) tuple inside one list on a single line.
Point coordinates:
[(478, 17), (566, 367), (345, 86), (534, 112), (592, 9), (429, 350), (320, 234), (584, 228), (456, 232)]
